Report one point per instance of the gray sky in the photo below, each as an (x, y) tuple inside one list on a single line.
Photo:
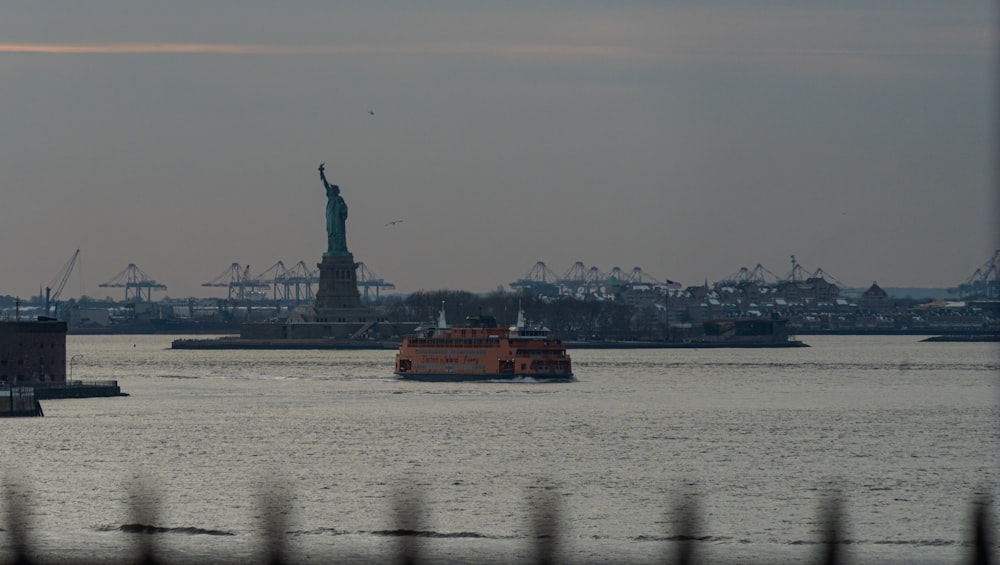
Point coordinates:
[(687, 138)]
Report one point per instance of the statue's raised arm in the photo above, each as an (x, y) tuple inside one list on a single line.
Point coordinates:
[(322, 175)]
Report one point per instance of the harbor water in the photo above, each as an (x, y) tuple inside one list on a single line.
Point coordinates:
[(750, 442)]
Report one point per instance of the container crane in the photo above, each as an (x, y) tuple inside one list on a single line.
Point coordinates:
[(134, 281), (272, 278), (638, 276), (368, 279), (237, 279), (821, 274), (759, 276), (594, 279), (59, 282), (231, 278), (985, 281), (538, 280), (798, 272), (301, 279), (574, 280), (616, 276)]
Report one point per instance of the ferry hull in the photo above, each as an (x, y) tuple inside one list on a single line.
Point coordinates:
[(483, 377)]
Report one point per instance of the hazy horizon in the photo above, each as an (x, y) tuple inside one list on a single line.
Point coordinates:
[(686, 138), (117, 293)]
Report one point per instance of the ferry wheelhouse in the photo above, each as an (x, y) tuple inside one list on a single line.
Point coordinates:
[(483, 352)]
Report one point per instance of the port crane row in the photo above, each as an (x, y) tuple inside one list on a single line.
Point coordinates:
[(296, 283), (580, 279), (283, 283)]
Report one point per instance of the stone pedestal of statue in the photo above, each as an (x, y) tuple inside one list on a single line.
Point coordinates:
[(338, 299)]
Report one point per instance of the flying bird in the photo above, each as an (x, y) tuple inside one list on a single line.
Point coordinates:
[(394, 222), (371, 112)]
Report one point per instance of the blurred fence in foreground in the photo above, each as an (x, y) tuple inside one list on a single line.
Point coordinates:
[(681, 547)]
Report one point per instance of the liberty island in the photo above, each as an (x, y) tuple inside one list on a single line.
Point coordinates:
[(338, 315)]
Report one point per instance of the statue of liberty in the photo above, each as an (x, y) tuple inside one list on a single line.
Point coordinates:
[(336, 218)]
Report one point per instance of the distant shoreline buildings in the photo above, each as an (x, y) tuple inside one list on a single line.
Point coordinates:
[(811, 301), (620, 310)]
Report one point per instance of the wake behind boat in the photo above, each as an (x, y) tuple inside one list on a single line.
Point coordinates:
[(483, 352)]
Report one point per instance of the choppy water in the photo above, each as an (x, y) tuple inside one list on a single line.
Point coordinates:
[(753, 440)]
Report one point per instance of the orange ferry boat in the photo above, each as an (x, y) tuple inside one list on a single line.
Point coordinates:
[(483, 352)]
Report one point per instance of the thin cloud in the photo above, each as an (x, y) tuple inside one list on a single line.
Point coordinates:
[(116, 48), (529, 50)]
